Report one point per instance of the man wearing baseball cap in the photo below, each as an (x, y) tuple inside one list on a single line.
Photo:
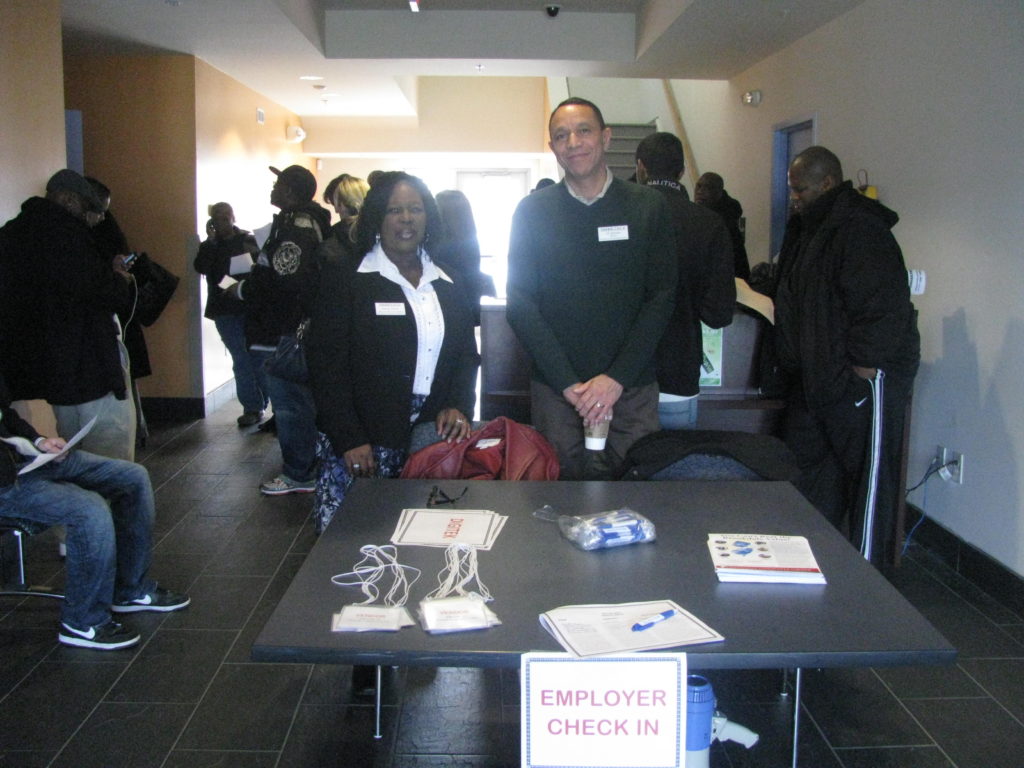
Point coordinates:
[(58, 331), (274, 294)]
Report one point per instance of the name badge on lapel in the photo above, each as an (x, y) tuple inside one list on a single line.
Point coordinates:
[(606, 234), (390, 308)]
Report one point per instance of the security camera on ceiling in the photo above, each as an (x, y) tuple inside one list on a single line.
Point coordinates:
[(553, 10)]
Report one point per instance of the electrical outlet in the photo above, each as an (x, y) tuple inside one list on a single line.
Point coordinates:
[(952, 465), (956, 469)]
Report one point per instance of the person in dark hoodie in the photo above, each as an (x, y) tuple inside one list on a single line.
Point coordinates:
[(846, 336), (710, 192), (217, 259), (275, 294), (706, 291), (59, 338)]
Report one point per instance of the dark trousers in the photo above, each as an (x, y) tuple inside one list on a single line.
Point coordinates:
[(832, 446), (635, 415)]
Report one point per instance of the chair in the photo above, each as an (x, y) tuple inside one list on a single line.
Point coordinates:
[(19, 528), (709, 455)]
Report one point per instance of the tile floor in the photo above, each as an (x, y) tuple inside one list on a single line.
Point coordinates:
[(188, 696)]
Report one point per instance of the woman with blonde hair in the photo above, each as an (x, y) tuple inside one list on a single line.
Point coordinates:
[(345, 193)]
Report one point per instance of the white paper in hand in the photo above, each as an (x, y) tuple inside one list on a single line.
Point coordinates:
[(240, 264)]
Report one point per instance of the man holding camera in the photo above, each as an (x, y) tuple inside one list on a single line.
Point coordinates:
[(59, 338)]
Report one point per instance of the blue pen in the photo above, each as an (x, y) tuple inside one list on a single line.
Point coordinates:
[(650, 621)]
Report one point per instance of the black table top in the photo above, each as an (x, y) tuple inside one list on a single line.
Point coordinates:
[(857, 619)]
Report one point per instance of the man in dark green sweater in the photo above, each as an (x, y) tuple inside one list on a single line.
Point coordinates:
[(592, 276)]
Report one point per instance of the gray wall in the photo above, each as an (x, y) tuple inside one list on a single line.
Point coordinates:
[(928, 97)]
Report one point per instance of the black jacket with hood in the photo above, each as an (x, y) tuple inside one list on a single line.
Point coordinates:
[(58, 297), (275, 291), (705, 292), (213, 261), (843, 297), (731, 211)]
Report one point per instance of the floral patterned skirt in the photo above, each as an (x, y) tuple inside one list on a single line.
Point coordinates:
[(333, 480)]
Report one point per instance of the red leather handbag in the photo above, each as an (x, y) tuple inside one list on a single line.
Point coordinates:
[(501, 449)]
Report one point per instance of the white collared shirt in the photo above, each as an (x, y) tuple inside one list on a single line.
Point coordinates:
[(592, 200), (426, 311)]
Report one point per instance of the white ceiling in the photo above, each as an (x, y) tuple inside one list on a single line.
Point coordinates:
[(369, 51)]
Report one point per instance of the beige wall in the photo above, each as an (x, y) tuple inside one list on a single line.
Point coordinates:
[(170, 135), (233, 155), (455, 114), (233, 152), (32, 144), (32, 95), (139, 139)]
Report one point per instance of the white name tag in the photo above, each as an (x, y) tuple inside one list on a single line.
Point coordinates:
[(390, 308), (456, 614), (621, 232), (371, 618)]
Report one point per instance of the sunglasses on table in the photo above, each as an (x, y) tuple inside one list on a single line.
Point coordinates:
[(437, 496)]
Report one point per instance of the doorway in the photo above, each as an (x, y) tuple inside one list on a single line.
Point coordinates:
[(788, 141), (494, 195)]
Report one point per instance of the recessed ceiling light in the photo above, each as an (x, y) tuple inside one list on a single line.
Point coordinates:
[(310, 77), (414, 6)]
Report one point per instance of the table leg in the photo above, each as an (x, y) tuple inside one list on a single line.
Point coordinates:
[(796, 713), (377, 696)]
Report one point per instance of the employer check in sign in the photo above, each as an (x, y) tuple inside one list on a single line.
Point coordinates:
[(607, 711)]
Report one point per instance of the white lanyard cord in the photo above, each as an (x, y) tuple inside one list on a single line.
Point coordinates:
[(460, 569), (377, 563)]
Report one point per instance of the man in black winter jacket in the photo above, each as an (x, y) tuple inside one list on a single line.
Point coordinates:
[(706, 291), (846, 336), (277, 296), (710, 193), (59, 337), (226, 250)]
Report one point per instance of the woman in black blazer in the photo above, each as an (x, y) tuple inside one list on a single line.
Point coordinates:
[(391, 342)]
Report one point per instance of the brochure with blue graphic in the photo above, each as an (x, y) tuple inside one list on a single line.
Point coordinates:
[(770, 559)]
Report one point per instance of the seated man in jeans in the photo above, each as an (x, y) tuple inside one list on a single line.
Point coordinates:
[(107, 507)]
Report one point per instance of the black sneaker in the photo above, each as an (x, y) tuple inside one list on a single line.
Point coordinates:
[(160, 600), (270, 425), (105, 637), (249, 418)]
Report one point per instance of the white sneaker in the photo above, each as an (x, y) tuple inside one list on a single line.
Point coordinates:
[(283, 484)]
